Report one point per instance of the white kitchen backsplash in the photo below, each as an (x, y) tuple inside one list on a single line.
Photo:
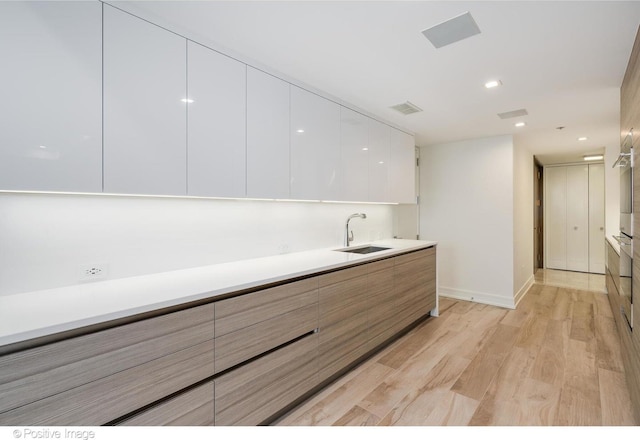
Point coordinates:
[(47, 240)]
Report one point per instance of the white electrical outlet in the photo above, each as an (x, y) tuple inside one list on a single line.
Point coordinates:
[(94, 271)]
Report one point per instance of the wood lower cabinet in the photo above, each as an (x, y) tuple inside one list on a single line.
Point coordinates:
[(343, 319), (382, 315), (252, 393), (190, 408), (98, 377), (241, 360), (415, 287), (250, 325)]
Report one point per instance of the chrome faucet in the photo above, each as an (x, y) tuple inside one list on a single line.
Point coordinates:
[(349, 237)]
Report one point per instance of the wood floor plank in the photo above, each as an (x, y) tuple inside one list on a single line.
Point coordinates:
[(550, 362), (477, 377), (515, 318), (603, 307), (582, 324), (562, 306), (615, 402), (608, 354), (357, 416), (505, 386), (532, 333), (580, 396)]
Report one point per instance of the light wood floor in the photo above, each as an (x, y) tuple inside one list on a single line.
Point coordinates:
[(554, 361)]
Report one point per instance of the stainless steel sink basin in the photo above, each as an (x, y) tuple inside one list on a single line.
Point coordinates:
[(364, 249)]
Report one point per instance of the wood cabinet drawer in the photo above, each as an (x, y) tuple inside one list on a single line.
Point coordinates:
[(423, 253), (35, 374), (242, 311), (340, 276), (190, 408), (234, 348), (256, 391), (252, 324), (109, 398)]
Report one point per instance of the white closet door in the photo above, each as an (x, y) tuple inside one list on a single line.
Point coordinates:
[(596, 218), (578, 218), (556, 217)]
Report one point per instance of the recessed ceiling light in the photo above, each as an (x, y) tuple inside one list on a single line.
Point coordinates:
[(365, 149), (492, 84), (300, 131), (187, 100), (520, 124), (594, 157), (582, 138)]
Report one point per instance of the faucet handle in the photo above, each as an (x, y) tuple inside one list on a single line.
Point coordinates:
[(350, 238)]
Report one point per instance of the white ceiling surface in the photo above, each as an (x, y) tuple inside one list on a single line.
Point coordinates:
[(561, 61)]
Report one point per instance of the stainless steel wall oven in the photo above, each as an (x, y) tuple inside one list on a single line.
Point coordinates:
[(625, 239)]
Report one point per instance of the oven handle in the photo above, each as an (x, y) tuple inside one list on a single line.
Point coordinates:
[(620, 241)]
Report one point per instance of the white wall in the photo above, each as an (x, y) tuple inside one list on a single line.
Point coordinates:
[(612, 192), (522, 221), (45, 238), (467, 205)]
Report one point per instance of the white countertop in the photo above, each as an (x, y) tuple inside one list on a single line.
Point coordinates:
[(31, 315), (614, 243)]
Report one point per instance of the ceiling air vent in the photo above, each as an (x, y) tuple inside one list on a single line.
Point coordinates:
[(406, 108), (453, 30), (513, 114)]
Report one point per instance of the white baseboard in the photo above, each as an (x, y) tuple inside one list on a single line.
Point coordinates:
[(523, 291), (479, 297)]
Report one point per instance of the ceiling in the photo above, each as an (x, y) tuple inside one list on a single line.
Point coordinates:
[(561, 61)]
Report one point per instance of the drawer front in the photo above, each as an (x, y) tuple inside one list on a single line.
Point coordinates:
[(234, 314), (234, 348), (342, 300), (109, 398), (423, 253), (251, 394), (342, 275), (191, 408), (35, 374)]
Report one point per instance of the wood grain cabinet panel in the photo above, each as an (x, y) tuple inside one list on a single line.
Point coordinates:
[(190, 408), (252, 324), (35, 374), (415, 286), (343, 319), (115, 396), (381, 315), (252, 393)]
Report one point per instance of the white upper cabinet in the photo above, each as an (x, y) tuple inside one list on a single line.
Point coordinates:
[(315, 147), (217, 123), (378, 161), (267, 136), (402, 169), (145, 114), (354, 144), (51, 113)]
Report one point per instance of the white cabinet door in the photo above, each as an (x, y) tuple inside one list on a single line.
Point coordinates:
[(51, 88), (354, 145), (145, 116), (217, 124), (378, 161), (315, 147), (596, 218), (555, 179), (578, 218), (267, 136), (402, 167)]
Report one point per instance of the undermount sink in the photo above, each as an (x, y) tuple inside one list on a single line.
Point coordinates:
[(364, 250)]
